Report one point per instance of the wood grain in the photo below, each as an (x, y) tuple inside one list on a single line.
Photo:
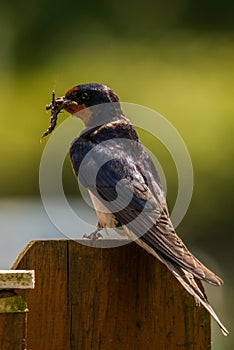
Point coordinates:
[(13, 331), (49, 313), (123, 298), (118, 298)]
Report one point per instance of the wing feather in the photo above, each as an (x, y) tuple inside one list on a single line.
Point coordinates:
[(145, 218)]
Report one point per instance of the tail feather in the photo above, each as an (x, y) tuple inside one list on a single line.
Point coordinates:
[(202, 272), (188, 282), (185, 277)]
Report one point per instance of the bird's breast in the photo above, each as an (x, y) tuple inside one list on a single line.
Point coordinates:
[(105, 217)]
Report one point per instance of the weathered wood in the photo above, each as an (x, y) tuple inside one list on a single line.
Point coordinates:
[(49, 312), (13, 279), (13, 309), (13, 329), (121, 298)]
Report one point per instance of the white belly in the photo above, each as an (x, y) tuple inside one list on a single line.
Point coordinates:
[(105, 217)]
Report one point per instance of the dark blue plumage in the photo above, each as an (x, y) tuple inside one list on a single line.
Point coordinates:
[(114, 159), (109, 160)]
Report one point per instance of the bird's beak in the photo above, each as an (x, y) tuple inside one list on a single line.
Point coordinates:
[(60, 103), (74, 108), (65, 103)]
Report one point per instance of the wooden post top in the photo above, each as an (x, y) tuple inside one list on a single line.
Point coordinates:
[(121, 298)]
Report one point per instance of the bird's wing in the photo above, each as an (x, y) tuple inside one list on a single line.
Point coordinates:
[(164, 240), (113, 175), (145, 217), (134, 204)]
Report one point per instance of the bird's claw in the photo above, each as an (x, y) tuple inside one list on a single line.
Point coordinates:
[(93, 235)]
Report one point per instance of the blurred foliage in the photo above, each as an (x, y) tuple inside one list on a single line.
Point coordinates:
[(36, 31), (174, 57)]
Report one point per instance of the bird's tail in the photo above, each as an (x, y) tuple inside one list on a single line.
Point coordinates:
[(188, 282), (186, 276)]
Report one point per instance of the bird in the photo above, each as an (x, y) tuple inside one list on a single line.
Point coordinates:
[(109, 160)]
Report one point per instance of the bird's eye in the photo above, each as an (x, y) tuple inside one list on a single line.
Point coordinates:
[(85, 96)]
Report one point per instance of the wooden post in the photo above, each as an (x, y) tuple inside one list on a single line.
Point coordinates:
[(107, 299), (13, 309)]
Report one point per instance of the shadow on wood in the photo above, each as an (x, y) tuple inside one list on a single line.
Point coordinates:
[(121, 298)]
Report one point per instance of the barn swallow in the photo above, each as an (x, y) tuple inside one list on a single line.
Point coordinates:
[(108, 152)]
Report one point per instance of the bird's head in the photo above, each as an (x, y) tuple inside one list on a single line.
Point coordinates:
[(95, 104), (87, 95), (82, 97)]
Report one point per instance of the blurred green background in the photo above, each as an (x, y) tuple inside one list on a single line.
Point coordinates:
[(174, 57)]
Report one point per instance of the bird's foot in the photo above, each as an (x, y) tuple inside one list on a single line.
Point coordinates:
[(93, 235)]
